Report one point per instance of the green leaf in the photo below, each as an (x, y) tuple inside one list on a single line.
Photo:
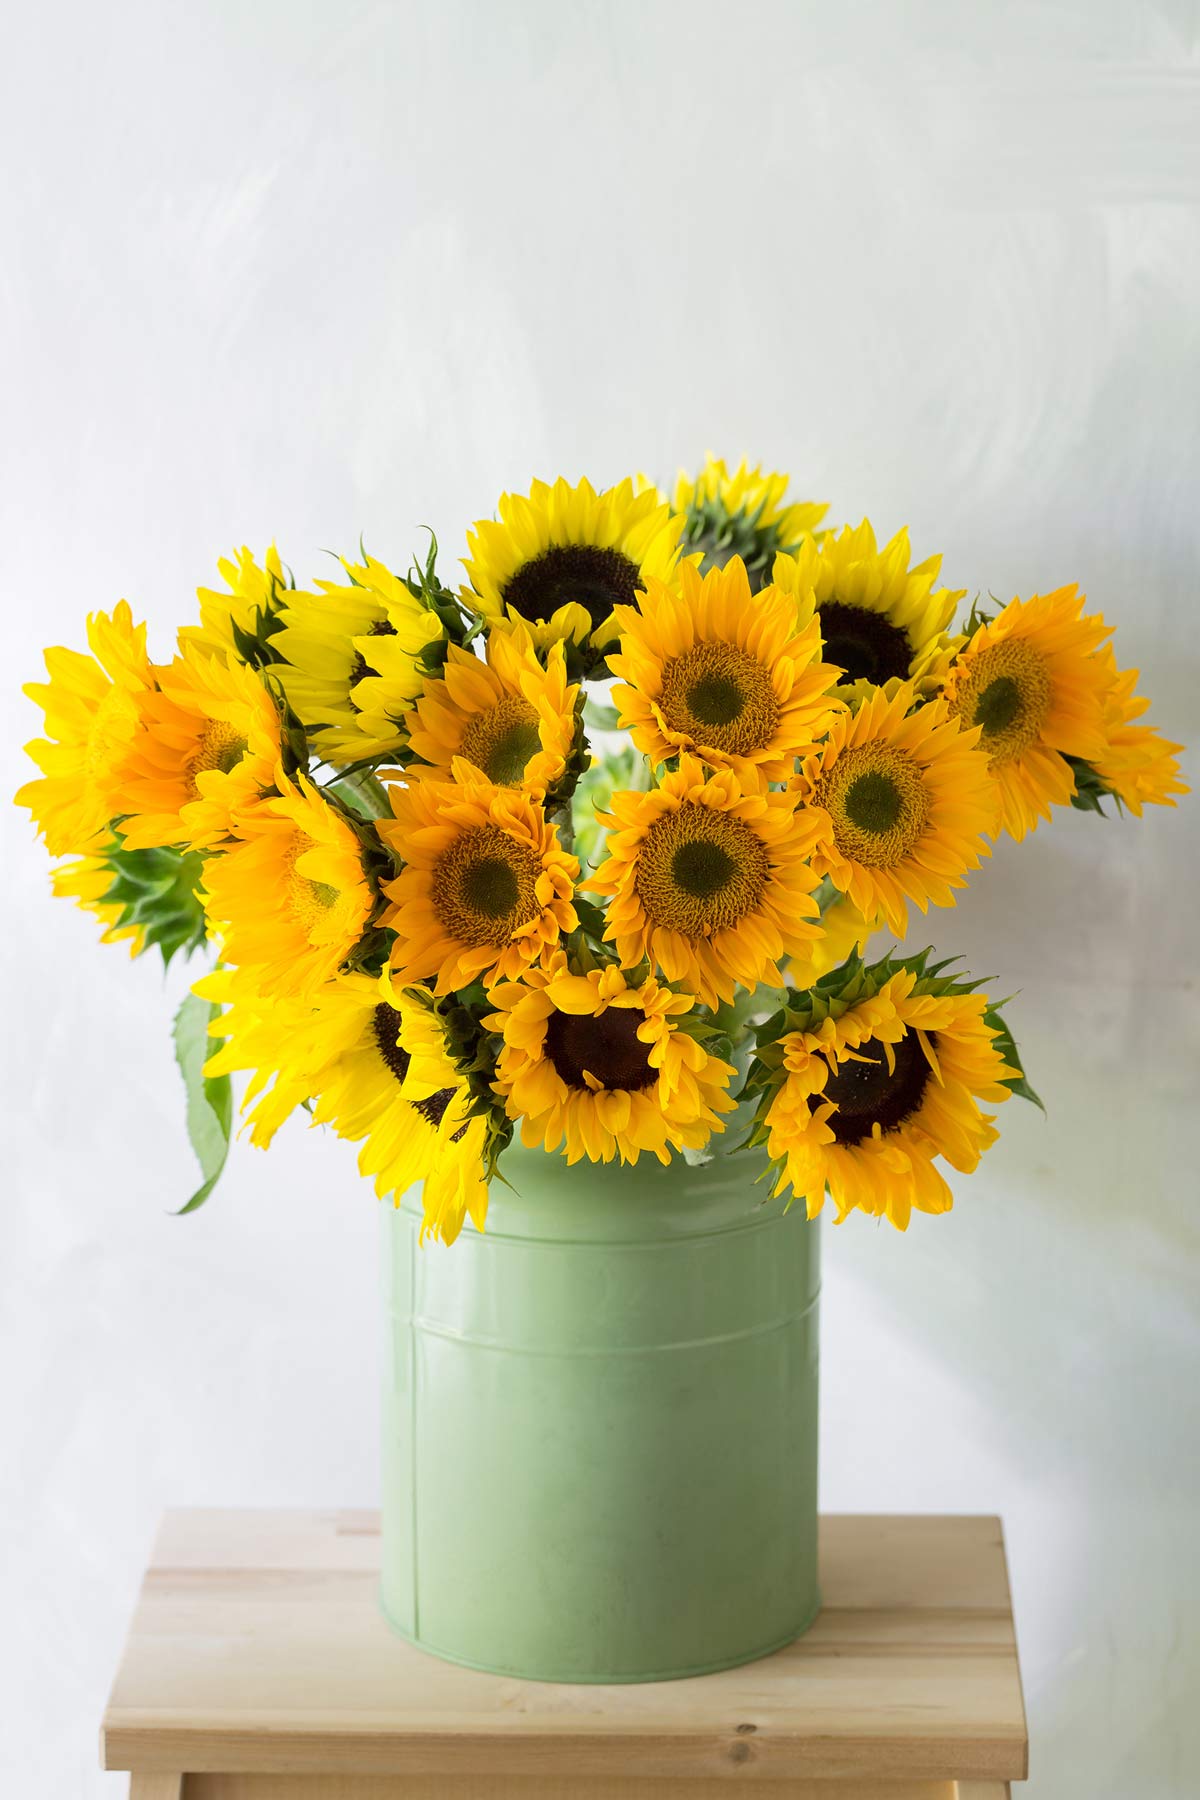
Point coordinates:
[(601, 717), (1003, 1042), (209, 1097)]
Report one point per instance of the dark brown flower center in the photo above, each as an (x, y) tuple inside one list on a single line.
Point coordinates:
[(361, 667), (594, 578), (865, 644), (605, 1045), (868, 1093), (385, 1023)]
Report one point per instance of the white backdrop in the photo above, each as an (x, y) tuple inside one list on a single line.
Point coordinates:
[(295, 269)]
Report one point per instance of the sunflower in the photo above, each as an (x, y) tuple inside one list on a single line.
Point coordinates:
[(88, 880), (903, 803), (1031, 681), (247, 609), (722, 674), (209, 748), (93, 707), (289, 898), (353, 659), (508, 717), (561, 558), (371, 1063), (882, 622), (845, 932), (486, 886), (746, 514), (710, 879), (876, 1085), (604, 1066), (1137, 765)]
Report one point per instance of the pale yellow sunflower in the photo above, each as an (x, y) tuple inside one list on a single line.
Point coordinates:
[(208, 749), (486, 887), (709, 877), (252, 600), (289, 898), (745, 513), (509, 717), (866, 1098), (93, 706), (354, 659), (1137, 765), (601, 1066), (715, 671), (882, 622), (561, 558), (1032, 683), (902, 803)]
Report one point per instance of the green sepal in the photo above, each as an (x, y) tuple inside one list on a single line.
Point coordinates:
[(1089, 789), (156, 891), (423, 584), (209, 1097), (721, 535)]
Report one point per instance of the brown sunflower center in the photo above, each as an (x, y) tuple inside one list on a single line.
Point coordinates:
[(877, 802), (1005, 690), (502, 740), (883, 1085), (605, 1046), (700, 871), (583, 574), (385, 1025), (361, 668), (485, 886), (865, 644), (220, 747), (720, 697)]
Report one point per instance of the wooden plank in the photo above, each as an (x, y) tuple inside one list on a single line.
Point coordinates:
[(983, 1790), (258, 1647), (485, 1787), (155, 1787)]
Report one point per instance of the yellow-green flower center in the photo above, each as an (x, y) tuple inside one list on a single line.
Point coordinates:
[(503, 740), (1006, 691), (485, 886), (877, 803), (719, 697), (308, 901), (700, 871), (221, 747)]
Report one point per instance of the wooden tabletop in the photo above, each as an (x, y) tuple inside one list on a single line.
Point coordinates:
[(258, 1646)]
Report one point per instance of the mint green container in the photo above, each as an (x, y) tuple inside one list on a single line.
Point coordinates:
[(600, 1424)]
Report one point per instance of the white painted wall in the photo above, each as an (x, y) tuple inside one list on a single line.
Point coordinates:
[(291, 268)]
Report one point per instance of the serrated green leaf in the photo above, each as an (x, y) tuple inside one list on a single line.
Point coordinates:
[(209, 1097)]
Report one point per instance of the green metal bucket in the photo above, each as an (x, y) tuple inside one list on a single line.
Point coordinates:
[(600, 1424)]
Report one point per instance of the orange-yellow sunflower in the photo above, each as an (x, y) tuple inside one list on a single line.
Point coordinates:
[(902, 803), (289, 898), (716, 671), (709, 877), (371, 1062), (209, 748), (560, 558), (93, 706), (874, 1087), (509, 717), (486, 887), (1032, 683), (1137, 765), (882, 622), (601, 1065)]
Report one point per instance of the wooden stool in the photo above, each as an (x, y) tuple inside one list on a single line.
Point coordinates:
[(259, 1668)]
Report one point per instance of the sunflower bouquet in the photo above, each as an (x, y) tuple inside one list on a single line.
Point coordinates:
[(593, 849)]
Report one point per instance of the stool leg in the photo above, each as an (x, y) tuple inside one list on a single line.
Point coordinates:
[(155, 1787)]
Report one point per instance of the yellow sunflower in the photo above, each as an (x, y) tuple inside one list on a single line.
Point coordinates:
[(561, 558), (709, 877), (1137, 765), (370, 1061), (508, 717), (209, 748), (881, 621), (352, 659), (866, 1099), (485, 886), (902, 802), (602, 1066), (1032, 683), (88, 880), (746, 514), (93, 707), (845, 931), (723, 674), (254, 596), (289, 897)]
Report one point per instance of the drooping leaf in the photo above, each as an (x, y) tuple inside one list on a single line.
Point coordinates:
[(1003, 1042), (209, 1097)]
